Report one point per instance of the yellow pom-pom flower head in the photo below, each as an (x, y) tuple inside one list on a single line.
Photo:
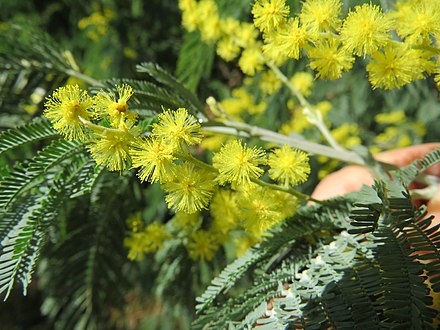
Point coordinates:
[(302, 81), (154, 157), (269, 14), (202, 246), (291, 39), (116, 108), (262, 208), (417, 22), (190, 190), (224, 211), (365, 30), (395, 66), (150, 240), (321, 15), (289, 166), (177, 128), (329, 59), (111, 149), (251, 60), (65, 107), (156, 234), (237, 163)]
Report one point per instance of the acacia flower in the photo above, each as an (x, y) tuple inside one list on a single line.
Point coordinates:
[(270, 50), (417, 21), (116, 107), (251, 60), (269, 14), (227, 49), (269, 83), (111, 149), (395, 66), (224, 211), (149, 240), (365, 30), (201, 246), (186, 223), (155, 235), (302, 81), (328, 59), (262, 208), (246, 35), (210, 29), (136, 246), (154, 157), (289, 166), (177, 127), (64, 108), (190, 190), (321, 15), (190, 17), (237, 163), (291, 38)]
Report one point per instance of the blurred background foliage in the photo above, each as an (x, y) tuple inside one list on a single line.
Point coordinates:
[(107, 39)]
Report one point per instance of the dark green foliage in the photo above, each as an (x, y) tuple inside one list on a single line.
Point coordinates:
[(195, 60), (160, 76), (82, 284), (368, 281), (149, 99), (24, 176), (31, 63), (365, 217), (410, 172), (28, 232), (36, 130)]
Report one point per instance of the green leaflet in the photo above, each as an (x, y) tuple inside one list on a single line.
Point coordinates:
[(34, 131), (370, 280), (149, 98), (188, 99), (410, 172), (12, 186), (21, 244), (94, 271), (195, 60)]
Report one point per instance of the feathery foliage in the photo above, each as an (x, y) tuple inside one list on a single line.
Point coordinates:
[(269, 255), (184, 96), (82, 298), (36, 130)]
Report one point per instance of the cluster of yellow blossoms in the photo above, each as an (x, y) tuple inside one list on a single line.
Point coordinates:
[(400, 45), (230, 186)]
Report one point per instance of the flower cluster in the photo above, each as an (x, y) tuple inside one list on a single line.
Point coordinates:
[(230, 187), (72, 111), (400, 45)]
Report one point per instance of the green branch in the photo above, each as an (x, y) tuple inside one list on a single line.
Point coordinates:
[(246, 130), (313, 116), (190, 158)]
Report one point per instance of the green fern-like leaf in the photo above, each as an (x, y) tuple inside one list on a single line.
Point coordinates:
[(85, 299), (410, 172), (87, 179), (284, 243), (12, 186), (148, 99), (227, 278), (21, 246), (189, 100), (34, 131), (26, 45), (28, 56), (365, 216), (404, 291), (195, 60)]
